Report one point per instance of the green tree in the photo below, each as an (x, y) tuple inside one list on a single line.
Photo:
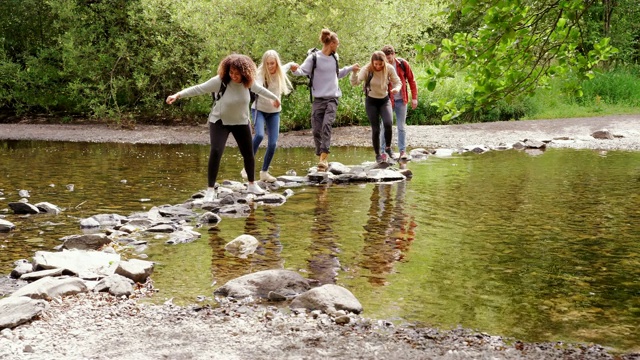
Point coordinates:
[(516, 47)]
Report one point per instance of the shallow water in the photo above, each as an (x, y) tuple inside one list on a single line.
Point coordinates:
[(541, 248)]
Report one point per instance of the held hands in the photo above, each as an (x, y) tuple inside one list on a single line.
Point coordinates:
[(395, 91), (355, 68), (294, 67), (172, 98)]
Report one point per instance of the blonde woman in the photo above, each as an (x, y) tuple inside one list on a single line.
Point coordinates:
[(230, 114), (273, 76), (380, 80)]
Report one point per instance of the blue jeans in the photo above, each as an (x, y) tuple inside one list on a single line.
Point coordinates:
[(400, 109), (272, 123)]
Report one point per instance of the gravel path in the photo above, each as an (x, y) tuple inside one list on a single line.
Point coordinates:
[(574, 133), (99, 326)]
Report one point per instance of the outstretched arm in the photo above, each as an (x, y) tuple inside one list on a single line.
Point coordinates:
[(207, 87)]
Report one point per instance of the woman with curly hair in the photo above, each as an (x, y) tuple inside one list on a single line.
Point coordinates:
[(230, 114), (272, 75)]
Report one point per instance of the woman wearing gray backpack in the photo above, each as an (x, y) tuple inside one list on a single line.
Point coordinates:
[(321, 66)]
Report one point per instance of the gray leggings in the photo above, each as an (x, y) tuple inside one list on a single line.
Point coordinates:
[(376, 109)]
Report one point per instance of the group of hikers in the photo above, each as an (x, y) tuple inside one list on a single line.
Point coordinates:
[(384, 81)]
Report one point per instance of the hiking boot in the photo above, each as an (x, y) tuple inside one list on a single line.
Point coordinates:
[(323, 164), (404, 155), (255, 189), (210, 195), (243, 173), (266, 177)]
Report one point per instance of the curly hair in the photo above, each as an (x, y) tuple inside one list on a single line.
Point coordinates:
[(243, 64)]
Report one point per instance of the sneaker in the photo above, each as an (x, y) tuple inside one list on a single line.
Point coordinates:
[(209, 196), (389, 152), (404, 155), (243, 173), (382, 158), (266, 177), (255, 189)]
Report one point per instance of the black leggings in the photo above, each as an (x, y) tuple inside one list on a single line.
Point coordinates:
[(379, 109), (218, 134)]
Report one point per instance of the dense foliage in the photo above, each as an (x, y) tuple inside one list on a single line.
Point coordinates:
[(119, 59)]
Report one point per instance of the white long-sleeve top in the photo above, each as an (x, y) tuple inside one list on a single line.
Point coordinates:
[(325, 81), (233, 106), (265, 105)]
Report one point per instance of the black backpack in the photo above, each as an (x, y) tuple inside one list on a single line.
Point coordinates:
[(223, 87), (402, 65), (313, 52), (404, 68), (367, 84)]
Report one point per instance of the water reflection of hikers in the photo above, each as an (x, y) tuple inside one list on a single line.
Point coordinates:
[(380, 81), (323, 261), (321, 66), (230, 114), (400, 100), (273, 76), (388, 232), (268, 255)]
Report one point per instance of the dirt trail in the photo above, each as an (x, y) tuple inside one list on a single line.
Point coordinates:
[(577, 132)]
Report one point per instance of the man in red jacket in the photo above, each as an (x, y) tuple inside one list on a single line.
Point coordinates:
[(400, 100)]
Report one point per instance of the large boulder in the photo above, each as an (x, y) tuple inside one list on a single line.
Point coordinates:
[(328, 298), (23, 266), (16, 310), (85, 241), (602, 135), (23, 208), (52, 287), (37, 275), (6, 226), (116, 285), (49, 208), (242, 246), (84, 263), (284, 282), (136, 270)]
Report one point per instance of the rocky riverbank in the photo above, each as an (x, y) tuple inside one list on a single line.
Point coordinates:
[(565, 133), (100, 326)]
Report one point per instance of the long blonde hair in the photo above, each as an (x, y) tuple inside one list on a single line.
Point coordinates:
[(279, 82), (380, 56)]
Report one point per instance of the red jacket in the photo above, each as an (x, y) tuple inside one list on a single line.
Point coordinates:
[(404, 77)]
